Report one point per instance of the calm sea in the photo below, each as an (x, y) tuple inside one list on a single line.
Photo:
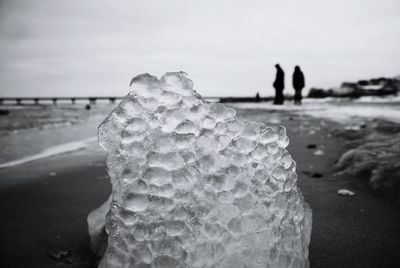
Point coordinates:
[(42, 130)]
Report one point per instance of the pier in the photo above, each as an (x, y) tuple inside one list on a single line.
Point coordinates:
[(54, 100), (110, 99)]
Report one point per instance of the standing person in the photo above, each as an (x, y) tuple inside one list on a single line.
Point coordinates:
[(279, 85), (298, 84)]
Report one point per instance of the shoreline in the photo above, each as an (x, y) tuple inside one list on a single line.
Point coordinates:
[(50, 151)]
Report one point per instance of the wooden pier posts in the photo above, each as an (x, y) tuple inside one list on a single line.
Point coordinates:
[(57, 100)]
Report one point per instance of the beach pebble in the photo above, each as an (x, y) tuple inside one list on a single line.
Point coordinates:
[(316, 175), (275, 121), (67, 265), (52, 174), (353, 127), (59, 255), (4, 112), (312, 146), (319, 152), (312, 174), (345, 192)]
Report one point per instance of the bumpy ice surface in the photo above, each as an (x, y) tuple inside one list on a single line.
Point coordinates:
[(195, 187)]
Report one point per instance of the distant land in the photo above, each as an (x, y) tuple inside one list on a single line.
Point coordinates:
[(374, 87)]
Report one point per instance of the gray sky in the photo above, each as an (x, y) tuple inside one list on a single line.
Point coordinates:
[(228, 47)]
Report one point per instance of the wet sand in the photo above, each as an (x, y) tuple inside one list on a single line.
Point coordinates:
[(44, 214), (358, 231), (43, 222)]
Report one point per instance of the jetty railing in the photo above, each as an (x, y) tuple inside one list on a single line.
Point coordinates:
[(54, 100), (111, 99)]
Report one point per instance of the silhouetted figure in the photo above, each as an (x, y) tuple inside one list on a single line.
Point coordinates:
[(298, 85), (279, 85), (257, 99)]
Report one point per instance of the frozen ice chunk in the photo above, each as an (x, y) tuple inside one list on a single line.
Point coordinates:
[(193, 186)]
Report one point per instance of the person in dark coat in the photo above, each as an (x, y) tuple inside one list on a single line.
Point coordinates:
[(279, 85), (298, 84)]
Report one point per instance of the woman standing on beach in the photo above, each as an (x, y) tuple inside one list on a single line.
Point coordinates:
[(298, 85), (279, 85)]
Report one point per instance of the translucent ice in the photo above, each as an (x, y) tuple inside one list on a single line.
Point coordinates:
[(193, 186)]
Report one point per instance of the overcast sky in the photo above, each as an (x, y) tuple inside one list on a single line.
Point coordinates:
[(228, 47)]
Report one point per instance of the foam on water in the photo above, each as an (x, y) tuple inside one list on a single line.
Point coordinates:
[(51, 151)]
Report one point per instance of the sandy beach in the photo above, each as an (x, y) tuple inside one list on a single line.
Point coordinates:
[(45, 203)]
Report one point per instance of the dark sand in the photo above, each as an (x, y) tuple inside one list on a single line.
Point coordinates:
[(43, 222)]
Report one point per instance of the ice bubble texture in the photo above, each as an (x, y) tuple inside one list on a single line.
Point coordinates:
[(193, 186)]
